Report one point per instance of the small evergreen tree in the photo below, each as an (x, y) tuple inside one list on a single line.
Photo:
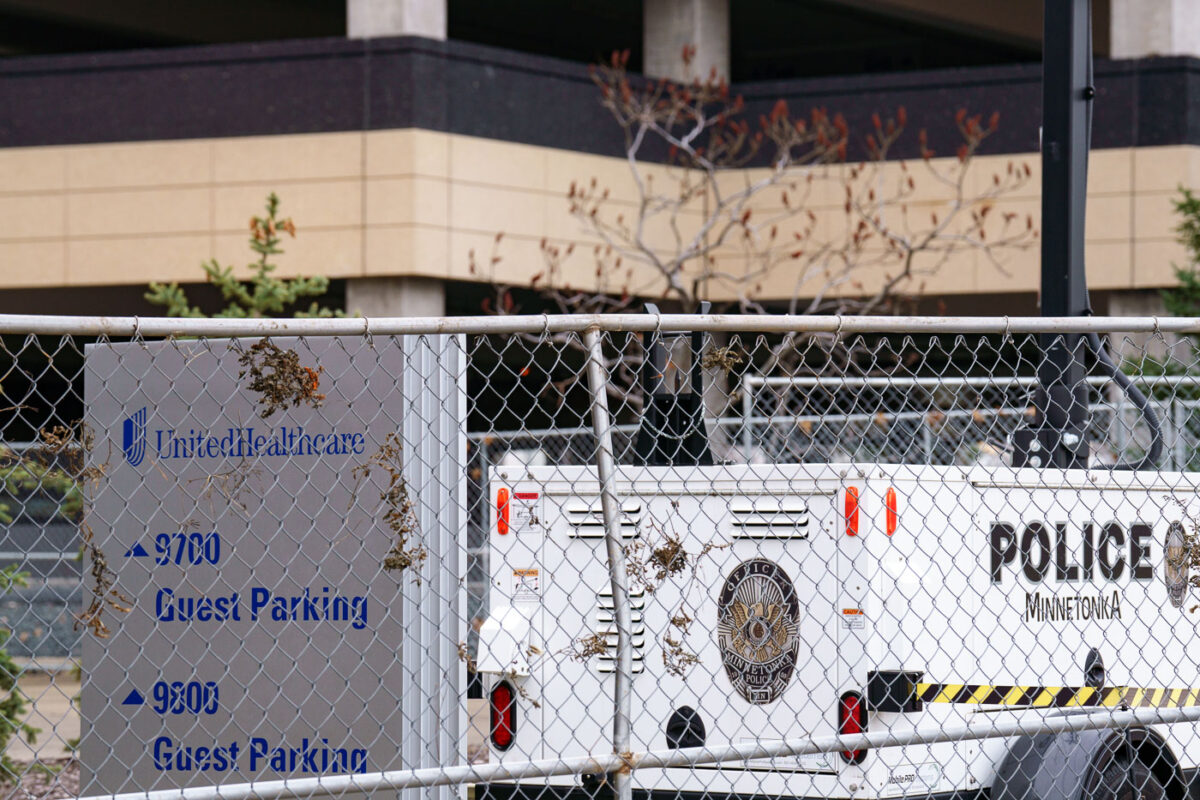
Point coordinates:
[(263, 295), (1184, 299), (14, 704), (20, 478)]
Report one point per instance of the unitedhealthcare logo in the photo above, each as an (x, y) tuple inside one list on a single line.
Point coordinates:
[(133, 437), (249, 442)]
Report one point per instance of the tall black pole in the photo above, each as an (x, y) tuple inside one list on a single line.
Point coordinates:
[(1066, 97)]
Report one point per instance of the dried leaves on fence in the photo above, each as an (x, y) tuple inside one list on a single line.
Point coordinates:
[(61, 465), (104, 592), (650, 565), (399, 514), (279, 379)]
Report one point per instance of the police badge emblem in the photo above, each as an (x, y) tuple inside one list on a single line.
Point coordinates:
[(758, 616)]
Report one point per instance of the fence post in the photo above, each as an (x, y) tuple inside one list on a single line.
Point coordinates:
[(1177, 422), (605, 469), (434, 617), (747, 412)]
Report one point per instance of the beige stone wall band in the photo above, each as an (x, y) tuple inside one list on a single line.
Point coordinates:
[(416, 203)]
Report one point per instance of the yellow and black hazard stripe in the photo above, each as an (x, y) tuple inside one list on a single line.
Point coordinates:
[(986, 694)]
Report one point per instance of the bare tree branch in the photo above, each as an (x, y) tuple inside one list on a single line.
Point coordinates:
[(733, 206)]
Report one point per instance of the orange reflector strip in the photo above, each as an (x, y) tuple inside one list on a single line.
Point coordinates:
[(892, 515), (852, 511), (502, 507)]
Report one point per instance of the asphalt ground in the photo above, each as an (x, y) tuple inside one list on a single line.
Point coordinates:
[(52, 710)]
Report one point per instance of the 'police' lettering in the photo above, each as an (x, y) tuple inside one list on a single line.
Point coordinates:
[(1004, 547), (1035, 570), (1084, 552), (1064, 568), (1139, 552), (1111, 534)]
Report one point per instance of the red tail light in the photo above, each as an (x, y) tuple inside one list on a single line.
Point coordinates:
[(852, 718), (504, 715)]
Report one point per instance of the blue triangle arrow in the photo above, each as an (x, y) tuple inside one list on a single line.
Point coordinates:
[(137, 551), (133, 699)]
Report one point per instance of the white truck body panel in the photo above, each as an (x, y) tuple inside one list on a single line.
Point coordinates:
[(946, 594)]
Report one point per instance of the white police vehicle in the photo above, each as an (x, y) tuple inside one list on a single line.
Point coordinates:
[(849, 598), (814, 599)]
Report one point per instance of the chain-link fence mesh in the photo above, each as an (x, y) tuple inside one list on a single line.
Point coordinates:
[(233, 560)]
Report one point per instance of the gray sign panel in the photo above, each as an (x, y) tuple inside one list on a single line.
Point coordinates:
[(265, 638)]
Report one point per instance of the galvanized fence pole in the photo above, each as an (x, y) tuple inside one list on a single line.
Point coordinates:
[(747, 324), (606, 468), (747, 413), (976, 729), (1178, 445)]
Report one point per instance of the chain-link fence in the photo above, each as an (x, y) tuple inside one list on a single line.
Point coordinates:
[(565, 557), (949, 419)]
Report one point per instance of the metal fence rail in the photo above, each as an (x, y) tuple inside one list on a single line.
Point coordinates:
[(800, 552), (162, 327), (983, 410), (611, 762)]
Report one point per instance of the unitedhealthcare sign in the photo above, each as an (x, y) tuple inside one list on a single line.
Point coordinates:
[(249, 442), (252, 554)]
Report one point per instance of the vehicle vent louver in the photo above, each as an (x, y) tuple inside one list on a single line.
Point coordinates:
[(587, 519), (606, 626), (769, 517)]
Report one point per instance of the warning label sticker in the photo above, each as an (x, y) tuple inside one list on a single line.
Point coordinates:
[(525, 586), (526, 511), (854, 618)]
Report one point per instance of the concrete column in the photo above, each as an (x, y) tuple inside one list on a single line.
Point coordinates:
[(368, 19), (396, 297), (1155, 28), (669, 25)]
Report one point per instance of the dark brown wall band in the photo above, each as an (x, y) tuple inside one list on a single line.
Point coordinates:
[(322, 85)]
